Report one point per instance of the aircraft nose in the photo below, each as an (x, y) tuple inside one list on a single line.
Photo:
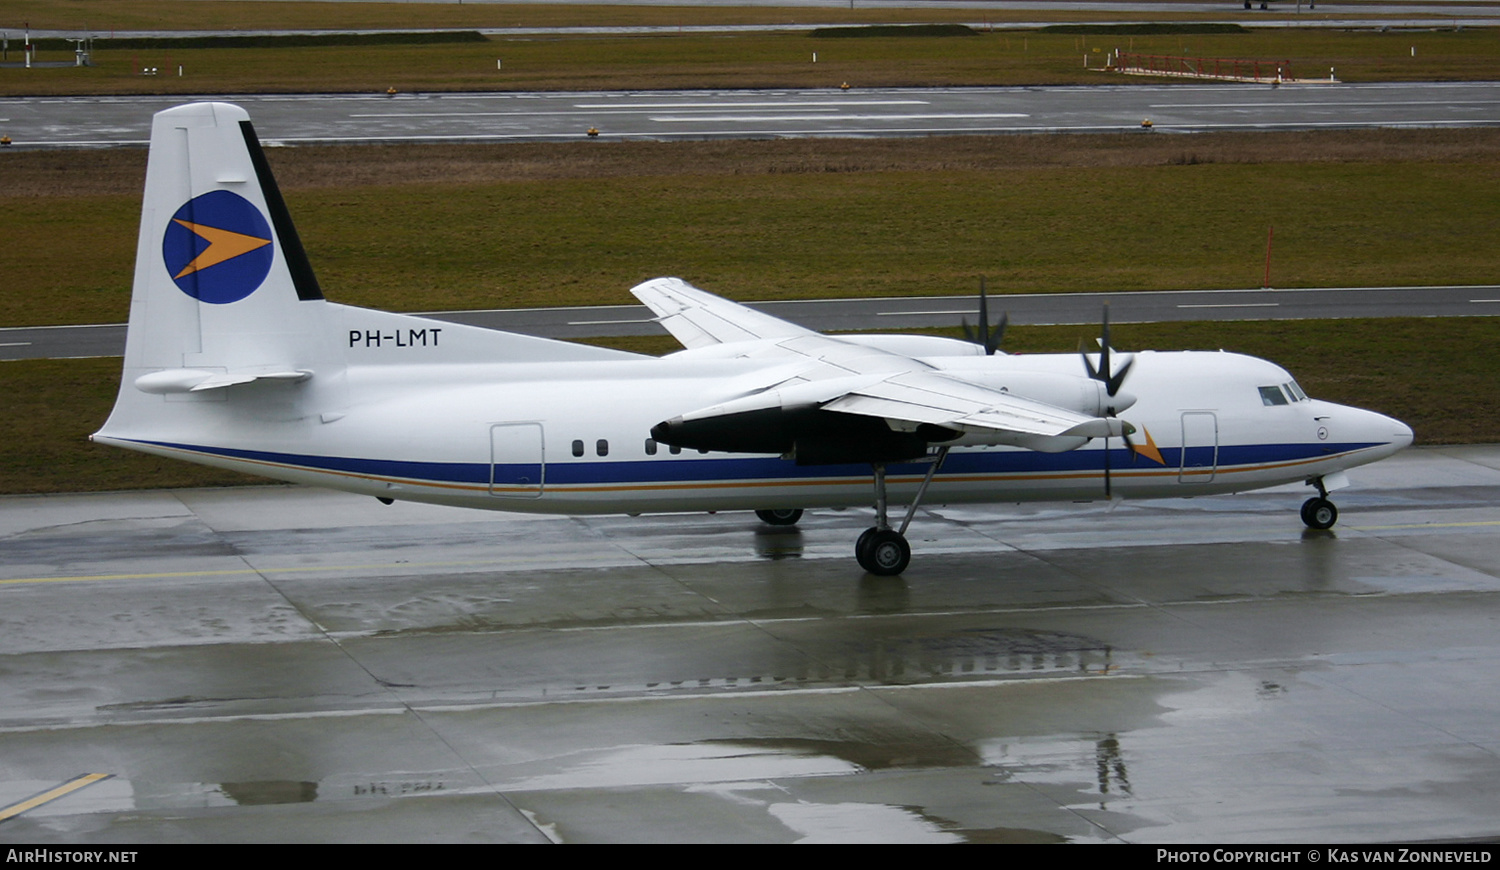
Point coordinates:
[(1403, 435), (1396, 434)]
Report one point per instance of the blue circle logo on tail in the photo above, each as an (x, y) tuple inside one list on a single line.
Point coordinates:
[(217, 247)]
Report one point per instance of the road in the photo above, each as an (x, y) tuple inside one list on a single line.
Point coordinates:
[(502, 117)]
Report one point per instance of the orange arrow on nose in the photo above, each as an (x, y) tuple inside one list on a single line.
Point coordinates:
[(1149, 449)]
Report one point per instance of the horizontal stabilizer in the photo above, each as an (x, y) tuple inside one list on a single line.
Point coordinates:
[(195, 380)]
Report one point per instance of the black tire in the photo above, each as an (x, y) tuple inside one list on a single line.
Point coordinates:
[(861, 543), (1319, 513), (883, 552), (782, 517)]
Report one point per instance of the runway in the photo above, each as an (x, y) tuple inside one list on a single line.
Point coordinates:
[(294, 119), (289, 665)]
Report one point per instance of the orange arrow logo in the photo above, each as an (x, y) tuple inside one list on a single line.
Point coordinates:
[(222, 245), (1148, 449)]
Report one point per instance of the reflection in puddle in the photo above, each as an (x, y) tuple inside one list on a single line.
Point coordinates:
[(635, 766), (1092, 763), (260, 793), (859, 823)]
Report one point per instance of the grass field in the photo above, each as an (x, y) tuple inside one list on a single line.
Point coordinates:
[(434, 227), (746, 60), (234, 15)]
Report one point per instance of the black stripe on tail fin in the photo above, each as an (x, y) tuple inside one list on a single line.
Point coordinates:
[(292, 251)]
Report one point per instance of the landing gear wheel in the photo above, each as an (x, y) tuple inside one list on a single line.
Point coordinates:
[(883, 552), (783, 517), (1319, 513)]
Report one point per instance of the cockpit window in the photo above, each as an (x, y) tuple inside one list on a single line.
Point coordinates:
[(1273, 396), (1296, 391)]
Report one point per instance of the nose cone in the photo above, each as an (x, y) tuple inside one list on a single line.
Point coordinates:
[(1368, 436), (1387, 433), (1403, 435)]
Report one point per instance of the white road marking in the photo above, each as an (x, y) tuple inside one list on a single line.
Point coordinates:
[(780, 104), (830, 116), (606, 322)]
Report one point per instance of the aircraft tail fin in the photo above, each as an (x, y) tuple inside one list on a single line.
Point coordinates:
[(223, 294), (220, 271), (227, 321)]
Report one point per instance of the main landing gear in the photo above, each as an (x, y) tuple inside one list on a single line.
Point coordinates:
[(882, 550), (1318, 512), (783, 517)]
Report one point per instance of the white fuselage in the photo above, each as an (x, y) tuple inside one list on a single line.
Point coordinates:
[(574, 437)]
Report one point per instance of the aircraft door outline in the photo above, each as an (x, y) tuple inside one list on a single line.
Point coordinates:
[(1200, 447), (518, 461)]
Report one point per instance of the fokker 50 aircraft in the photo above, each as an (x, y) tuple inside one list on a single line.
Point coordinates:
[(234, 359)]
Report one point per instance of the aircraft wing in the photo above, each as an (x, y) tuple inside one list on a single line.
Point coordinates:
[(918, 397), (843, 377), (699, 319)]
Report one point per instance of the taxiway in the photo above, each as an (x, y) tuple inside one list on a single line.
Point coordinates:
[(282, 664), (912, 312), (293, 119)]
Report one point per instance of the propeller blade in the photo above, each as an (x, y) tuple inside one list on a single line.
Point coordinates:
[(982, 335), (984, 317), (992, 343), (1104, 347), (1108, 493), (1104, 373), (1112, 386), (1088, 364)]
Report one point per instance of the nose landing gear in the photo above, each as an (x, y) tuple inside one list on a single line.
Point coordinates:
[(1318, 512)]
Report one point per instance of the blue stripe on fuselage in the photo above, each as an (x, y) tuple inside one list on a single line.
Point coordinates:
[(668, 469)]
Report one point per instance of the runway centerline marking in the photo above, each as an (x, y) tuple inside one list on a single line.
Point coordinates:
[(1356, 103), (607, 322), (1476, 524), (921, 313), (52, 794), (836, 116), (781, 104), (1230, 305)]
